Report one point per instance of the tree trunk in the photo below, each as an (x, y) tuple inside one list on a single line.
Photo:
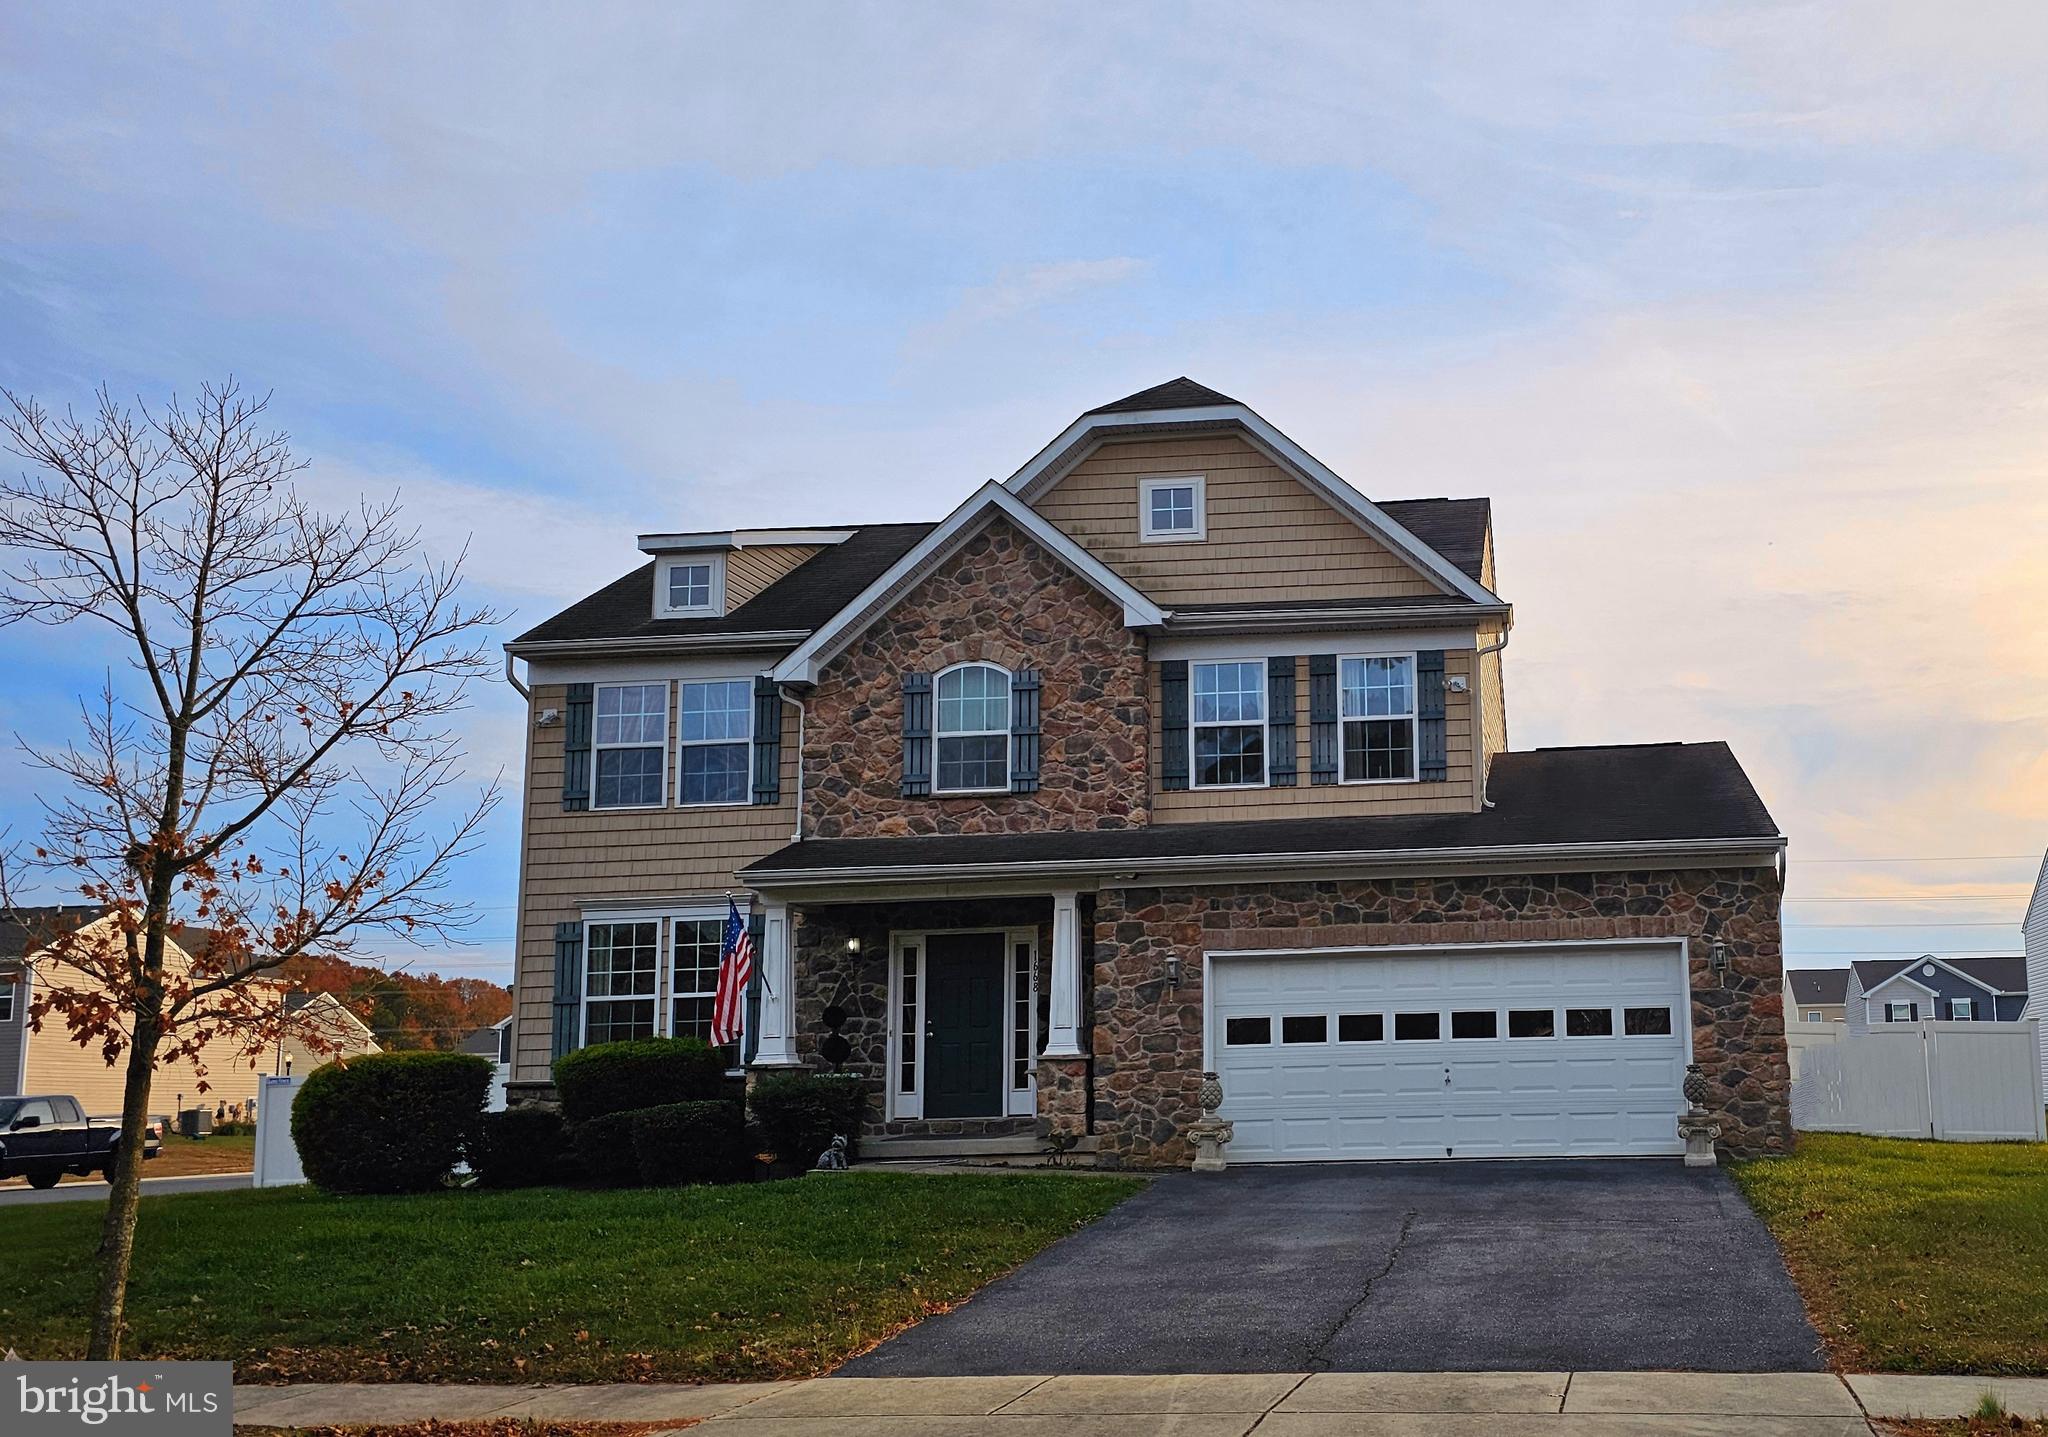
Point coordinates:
[(117, 1233)]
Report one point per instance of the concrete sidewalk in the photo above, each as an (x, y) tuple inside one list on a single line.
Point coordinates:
[(1425, 1404)]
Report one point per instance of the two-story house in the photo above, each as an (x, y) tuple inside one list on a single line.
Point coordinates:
[(1172, 753), (1954, 990)]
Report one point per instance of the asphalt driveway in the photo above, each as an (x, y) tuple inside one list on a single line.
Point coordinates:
[(1390, 1267)]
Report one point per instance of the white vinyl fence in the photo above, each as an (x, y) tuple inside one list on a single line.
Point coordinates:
[(277, 1156), (1960, 1082)]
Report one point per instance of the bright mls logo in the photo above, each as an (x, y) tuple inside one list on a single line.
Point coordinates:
[(117, 1399)]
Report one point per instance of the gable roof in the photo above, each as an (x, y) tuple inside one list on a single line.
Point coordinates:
[(2037, 906), (1186, 407), (1455, 528), (991, 500), (27, 927), (1998, 974), (1675, 797), (792, 606), (1820, 987)]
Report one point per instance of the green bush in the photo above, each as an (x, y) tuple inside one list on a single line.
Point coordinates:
[(519, 1148), (691, 1143), (800, 1113), (645, 1073), (389, 1122), (604, 1150)]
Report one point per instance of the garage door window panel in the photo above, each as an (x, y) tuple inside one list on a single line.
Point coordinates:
[(1589, 1022), (1417, 1027), (1361, 1028), (1646, 1022), (1532, 1023), (1247, 1032), (1228, 728), (1305, 1028), (1475, 1023), (1377, 706)]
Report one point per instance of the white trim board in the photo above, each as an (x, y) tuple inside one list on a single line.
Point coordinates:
[(1073, 444)]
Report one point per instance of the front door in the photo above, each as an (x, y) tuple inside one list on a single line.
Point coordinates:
[(963, 1031)]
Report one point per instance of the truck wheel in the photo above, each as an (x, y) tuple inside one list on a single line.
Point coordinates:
[(45, 1177)]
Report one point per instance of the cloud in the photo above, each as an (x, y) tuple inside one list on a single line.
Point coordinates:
[(1018, 292)]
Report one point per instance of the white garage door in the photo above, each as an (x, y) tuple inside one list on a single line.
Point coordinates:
[(1575, 1050)]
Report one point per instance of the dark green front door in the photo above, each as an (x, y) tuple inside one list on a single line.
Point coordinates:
[(963, 1030)]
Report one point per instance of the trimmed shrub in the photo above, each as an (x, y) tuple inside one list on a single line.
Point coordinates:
[(645, 1073), (799, 1113), (604, 1150), (389, 1122), (519, 1148), (691, 1143)]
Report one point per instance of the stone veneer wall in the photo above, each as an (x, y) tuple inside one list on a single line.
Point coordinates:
[(1148, 1040), (1005, 599), (826, 973)]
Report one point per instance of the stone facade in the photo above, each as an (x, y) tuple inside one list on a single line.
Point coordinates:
[(1007, 600), (1148, 1038)]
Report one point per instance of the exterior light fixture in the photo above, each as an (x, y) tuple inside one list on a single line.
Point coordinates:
[(853, 945), (1717, 956), (1173, 970)]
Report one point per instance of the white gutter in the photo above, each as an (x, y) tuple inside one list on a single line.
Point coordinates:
[(1395, 858), (1325, 616), (657, 644), (513, 679)]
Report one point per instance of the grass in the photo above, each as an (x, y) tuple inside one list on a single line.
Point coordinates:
[(1915, 1256), (697, 1284)]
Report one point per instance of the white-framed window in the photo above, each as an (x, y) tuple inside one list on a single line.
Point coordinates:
[(620, 964), (629, 745), (972, 732), (1814, 1017), (714, 741), (690, 586), (1173, 510), (7, 986), (1227, 724), (1376, 702), (1962, 1010), (696, 947), (1901, 1012)]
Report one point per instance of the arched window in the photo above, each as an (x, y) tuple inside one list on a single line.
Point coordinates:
[(973, 730)]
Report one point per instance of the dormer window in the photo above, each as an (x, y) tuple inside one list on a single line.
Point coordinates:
[(691, 586), (1173, 510)]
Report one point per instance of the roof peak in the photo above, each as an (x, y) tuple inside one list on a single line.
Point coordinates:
[(1178, 393)]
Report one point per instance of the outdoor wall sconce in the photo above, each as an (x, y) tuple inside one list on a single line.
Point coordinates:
[(853, 945), (1173, 970), (1717, 956)]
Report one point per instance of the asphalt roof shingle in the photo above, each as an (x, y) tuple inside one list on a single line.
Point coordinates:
[(2007, 975), (1821, 987), (1181, 393), (1641, 793)]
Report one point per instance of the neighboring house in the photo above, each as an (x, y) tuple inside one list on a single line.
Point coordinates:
[(2034, 930), (495, 1043), (325, 1018), (1816, 995), (1172, 753), (1906, 990)]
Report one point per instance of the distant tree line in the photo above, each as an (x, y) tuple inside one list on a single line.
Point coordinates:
[(404, 1011)]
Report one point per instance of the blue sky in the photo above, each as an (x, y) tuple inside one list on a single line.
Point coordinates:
[(1736, 311)]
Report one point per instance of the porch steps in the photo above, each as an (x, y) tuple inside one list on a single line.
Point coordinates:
[(1023, 1150)]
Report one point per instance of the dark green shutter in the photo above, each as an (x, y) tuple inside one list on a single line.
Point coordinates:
[(750, 1039), (1024, 697), (767, 740), (568, 988), (917, 735), (576, 747), (1324, 745), (1281, 764), (1173, 724), (1429, 710)]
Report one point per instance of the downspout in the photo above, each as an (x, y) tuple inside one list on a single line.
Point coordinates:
[(798, 705), (1487, 769), (513, 679)]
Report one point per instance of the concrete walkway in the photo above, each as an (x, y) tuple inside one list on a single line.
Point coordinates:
[(1279, 1404)]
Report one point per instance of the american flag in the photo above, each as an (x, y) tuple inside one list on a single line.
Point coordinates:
[(735, 972)]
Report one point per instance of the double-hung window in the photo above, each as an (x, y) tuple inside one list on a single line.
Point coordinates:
[(973, 730), (6, 1000), (619, 963), (629, 743), (697, 948), (1962, 1010), (1170, 509), (1378, 710), (716, 730), (1229, 724), (1901, 1012)]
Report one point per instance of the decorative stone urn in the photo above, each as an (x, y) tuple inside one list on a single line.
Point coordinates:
[(1697, 1128), (1211, 1133)]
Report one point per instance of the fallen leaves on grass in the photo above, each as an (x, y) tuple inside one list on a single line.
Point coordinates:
[(1964, 1427)]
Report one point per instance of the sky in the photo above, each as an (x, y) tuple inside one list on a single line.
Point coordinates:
[(1738, 313)]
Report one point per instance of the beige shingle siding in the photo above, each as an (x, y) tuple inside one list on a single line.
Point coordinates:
[(655, 853), (749, 571), (1307, 800), (1269, 537)]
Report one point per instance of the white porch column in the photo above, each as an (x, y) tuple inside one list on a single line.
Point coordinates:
[(1063, 1040), (777, 1048)]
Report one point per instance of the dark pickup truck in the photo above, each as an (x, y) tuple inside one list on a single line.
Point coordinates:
[(43, 1138)]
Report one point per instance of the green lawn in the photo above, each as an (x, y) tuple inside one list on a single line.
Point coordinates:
[(756, 1280), (1915, 1256)]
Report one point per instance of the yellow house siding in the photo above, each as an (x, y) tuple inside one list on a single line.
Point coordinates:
[(1455, 794), (1269, 537), (749, 571), (658, 854)]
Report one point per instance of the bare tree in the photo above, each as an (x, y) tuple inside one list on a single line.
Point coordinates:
[(264, 768)]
